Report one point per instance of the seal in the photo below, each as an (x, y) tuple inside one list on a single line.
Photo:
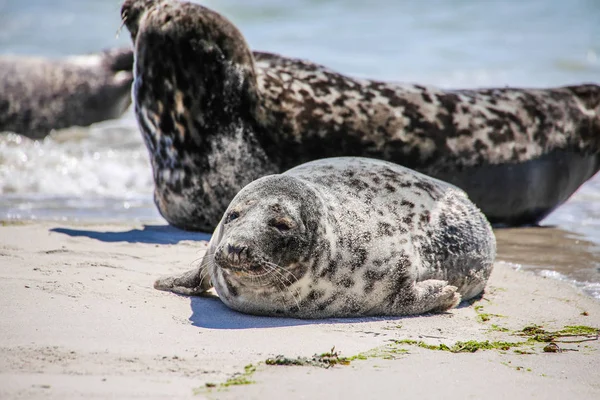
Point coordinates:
[(215, 116), (40, 94), (345, 237)]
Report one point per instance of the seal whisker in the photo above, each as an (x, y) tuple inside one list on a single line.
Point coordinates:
[(284, 269), (204, 255), (278, 274), (205, 271), (123, 22), (206, 262), (296, 292), (286, 289), (274, 268), (201, 260)]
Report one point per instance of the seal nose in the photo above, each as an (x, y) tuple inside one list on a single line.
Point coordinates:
[(235, 253)]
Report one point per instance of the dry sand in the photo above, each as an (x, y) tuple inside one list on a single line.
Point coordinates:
[(80, 319)]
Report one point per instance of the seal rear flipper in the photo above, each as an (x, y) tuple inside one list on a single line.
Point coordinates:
[(429, 296), (589, 94), (190, 283)]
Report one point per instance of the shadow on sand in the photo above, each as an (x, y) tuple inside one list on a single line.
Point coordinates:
[(210, 312), (151, 234)]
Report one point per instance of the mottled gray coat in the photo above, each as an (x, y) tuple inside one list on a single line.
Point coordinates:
[(345, 237), (215, 116)]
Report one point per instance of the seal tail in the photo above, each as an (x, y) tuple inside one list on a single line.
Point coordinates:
[(589, 95)]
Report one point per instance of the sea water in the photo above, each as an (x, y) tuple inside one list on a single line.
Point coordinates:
[(102, 172)]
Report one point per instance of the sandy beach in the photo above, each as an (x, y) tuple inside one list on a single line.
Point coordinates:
[(82, 320)]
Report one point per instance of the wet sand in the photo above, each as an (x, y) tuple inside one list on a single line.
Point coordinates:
[(81, 320), (552, 249)]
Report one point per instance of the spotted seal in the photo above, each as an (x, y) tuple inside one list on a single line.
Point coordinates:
[(40, 94), (215, 115), (345, 237)]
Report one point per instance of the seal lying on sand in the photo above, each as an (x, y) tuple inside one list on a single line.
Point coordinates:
[(215, 116), (345, 237), (38, 95)]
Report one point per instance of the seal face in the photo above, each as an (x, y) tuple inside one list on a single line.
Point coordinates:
[(201, 94), (345, 237), (38, 95)]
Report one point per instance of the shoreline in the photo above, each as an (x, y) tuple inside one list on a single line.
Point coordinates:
[(85, 321), (547, 250)]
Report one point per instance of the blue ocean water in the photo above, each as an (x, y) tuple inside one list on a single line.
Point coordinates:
[(102, 172)]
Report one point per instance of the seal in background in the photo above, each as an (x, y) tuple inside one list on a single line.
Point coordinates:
[(40, 94), (215, 116)]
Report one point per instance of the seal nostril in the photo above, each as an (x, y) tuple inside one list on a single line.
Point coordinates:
[(236, 250)]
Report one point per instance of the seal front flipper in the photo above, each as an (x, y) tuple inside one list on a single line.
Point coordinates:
[(190, 283)]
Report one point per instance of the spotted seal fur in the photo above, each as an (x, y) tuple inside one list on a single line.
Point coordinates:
[(203, 100), (345, 237), (39, 94)]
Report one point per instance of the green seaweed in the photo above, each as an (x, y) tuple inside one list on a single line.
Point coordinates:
[(534, 333), (12, 222), (497, 328), (523, 352), (387, 352), (537, 333), (329, 359), (484, 317), (422, 344), (241, 378), (470, 346), (324, 360), (579, 330), (389, 328)]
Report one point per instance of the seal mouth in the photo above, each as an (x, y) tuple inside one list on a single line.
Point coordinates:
[(261, 274), (249, 269)]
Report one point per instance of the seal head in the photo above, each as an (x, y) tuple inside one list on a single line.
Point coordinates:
[(195, 102), (266, 244)]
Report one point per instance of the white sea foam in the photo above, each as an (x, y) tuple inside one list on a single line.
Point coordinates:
[(76, 173), (581, 213), (107, 159), (590, 288)]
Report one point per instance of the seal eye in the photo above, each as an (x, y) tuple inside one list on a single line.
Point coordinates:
[(232, 215), (281, 225)]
